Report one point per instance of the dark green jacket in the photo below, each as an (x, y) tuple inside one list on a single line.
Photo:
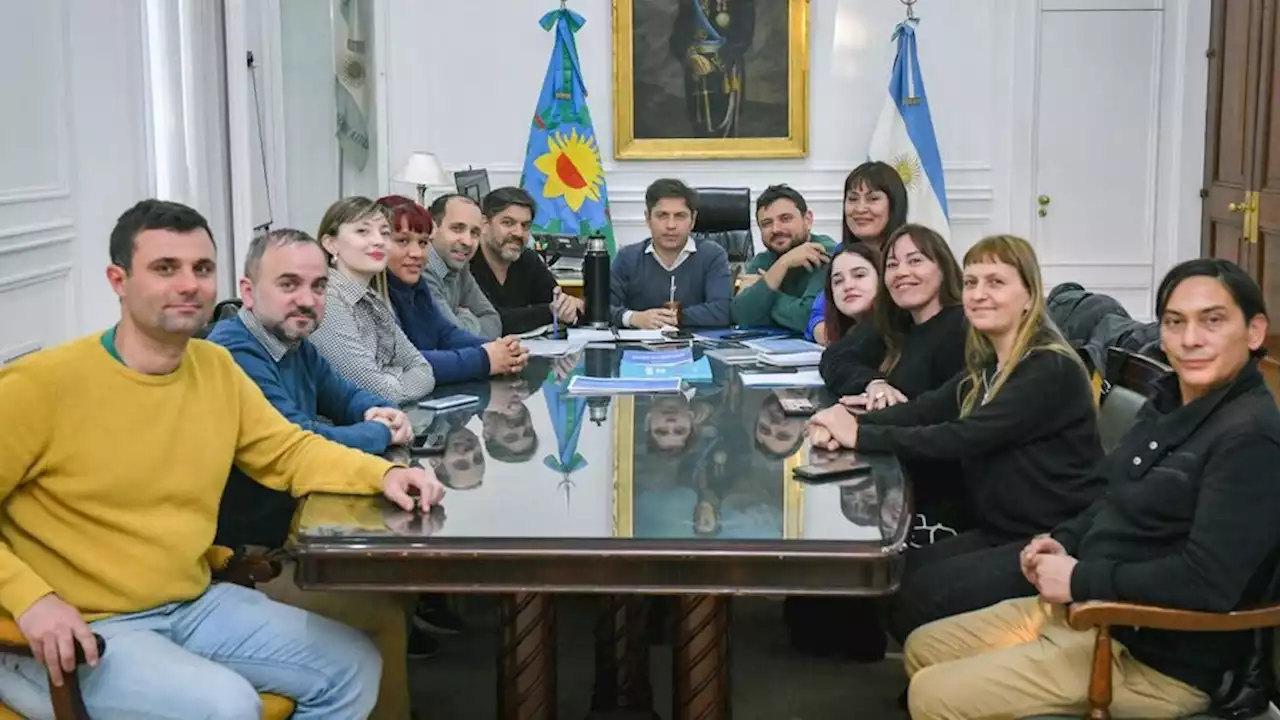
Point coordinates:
[(788, 306)]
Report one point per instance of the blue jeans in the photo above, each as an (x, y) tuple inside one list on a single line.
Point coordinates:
[(209, 658)]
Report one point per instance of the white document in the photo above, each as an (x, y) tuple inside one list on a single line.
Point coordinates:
[(804, 378), (634, 334), (800, 359), (590, 335), (541, 347)]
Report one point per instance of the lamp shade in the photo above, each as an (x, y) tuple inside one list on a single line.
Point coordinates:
[(422, 169)]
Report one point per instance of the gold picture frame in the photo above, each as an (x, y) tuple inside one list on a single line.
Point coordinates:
[(649, 145)]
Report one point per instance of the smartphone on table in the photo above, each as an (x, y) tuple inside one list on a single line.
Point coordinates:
[(448, 402), (838, 467)]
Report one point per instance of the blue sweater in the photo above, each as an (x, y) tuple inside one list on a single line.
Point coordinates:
[(303, 388), (817, 315), (454, 354), (639, 282)]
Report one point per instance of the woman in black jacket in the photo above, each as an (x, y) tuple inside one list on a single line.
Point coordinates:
[(915, 344), (1020, 420), (917, 340)]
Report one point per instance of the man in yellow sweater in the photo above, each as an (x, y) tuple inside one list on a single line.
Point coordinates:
[(113, 458)]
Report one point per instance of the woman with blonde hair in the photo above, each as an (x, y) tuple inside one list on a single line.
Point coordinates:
[(1020, 420), (359, 334)]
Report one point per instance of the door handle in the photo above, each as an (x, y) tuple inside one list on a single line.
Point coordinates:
[(1238, 207), (1043, 201)]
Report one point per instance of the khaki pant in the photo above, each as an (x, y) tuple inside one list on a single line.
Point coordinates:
[(1019, 659), (381, 616)]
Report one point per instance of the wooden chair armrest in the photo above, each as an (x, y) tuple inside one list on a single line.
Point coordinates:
[(1083, 616), (240, 567), (66, 699)]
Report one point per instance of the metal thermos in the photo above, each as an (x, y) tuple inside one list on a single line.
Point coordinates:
[(595, 280)]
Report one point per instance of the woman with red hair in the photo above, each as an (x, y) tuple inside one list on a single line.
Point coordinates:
[(454, 354)]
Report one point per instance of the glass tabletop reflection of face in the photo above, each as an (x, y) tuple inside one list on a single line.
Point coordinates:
[(709, 465)]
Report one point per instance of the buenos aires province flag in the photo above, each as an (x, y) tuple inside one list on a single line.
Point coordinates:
[(562, 167), (904, 138)]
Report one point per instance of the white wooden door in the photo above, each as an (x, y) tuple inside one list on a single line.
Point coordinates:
[(1097, 115), (72, 158)]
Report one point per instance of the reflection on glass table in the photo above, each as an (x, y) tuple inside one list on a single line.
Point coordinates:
[(709, 465)]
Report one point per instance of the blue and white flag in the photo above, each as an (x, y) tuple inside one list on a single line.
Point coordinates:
[(904, 138), (351, 83)]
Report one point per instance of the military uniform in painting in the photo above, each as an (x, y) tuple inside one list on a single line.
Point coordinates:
[(711, 39)]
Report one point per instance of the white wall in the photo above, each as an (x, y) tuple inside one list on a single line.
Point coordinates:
[(468, 97), (73, 156)]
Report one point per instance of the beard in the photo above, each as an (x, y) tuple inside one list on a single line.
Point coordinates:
[(287, 333), (507, 248)]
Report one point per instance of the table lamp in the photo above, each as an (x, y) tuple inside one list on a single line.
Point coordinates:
[(422, 169)]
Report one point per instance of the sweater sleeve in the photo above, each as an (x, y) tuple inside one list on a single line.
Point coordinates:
[(488, 323), (717, 291), (930, 408), (948, 356), (753, 305), (817, 316), (792, 311), (282, 456), (853, 361), (1233, 531), (407, 377), (619, 282), (458, 355), (536, 310), (1030, 404), (336, 398), (27, 412)]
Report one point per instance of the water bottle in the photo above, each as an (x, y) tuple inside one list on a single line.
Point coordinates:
[(595, 280)]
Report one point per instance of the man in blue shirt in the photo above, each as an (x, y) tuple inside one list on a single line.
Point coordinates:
[(670, 265), (284, 295)]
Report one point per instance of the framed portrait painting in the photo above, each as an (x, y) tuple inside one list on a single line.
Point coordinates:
[(710, 79)]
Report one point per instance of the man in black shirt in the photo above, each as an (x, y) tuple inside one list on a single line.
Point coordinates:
[(510, 272), (1188, 522)]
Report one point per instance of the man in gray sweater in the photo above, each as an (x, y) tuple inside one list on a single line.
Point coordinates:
[(646, 275), (454, 240)]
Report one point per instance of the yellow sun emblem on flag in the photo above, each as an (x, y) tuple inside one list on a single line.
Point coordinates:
[(908, 167), (572, 167)]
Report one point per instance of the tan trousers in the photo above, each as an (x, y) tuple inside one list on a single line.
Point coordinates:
[(1019, 659), (382, 616)]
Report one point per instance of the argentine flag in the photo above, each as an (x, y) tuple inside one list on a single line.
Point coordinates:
[(351, 83), (904, 138)]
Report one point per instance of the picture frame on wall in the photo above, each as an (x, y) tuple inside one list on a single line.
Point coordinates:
[(472, 183), (716, 79)]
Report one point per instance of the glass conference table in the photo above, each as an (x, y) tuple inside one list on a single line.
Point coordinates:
[(686, 495)]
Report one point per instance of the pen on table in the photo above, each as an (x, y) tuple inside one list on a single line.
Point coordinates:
[(555, 326)]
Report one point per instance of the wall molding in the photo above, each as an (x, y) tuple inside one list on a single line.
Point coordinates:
[(35, 277), (14, 248), (38, 193), (10, 354), (37, 228)]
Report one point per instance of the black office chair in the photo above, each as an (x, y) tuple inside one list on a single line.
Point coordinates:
[(221, 311), (724, 217)]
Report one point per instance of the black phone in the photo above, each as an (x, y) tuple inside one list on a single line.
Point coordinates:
[(762, 369), (797, 406), (430, 443), (840, 466)]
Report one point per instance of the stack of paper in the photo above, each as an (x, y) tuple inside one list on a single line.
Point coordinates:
[(584, 385), (804, 378)]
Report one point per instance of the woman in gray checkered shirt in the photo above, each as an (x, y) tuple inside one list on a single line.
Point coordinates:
[(359, 335)]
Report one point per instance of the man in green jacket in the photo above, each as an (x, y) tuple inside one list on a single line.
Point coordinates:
[(780, 284)]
